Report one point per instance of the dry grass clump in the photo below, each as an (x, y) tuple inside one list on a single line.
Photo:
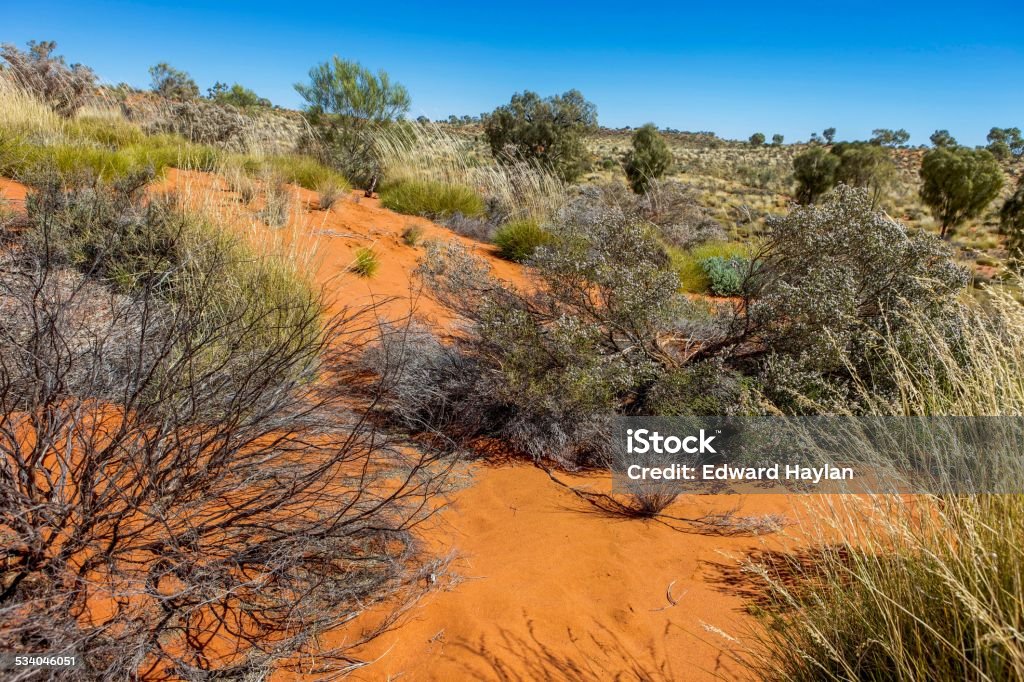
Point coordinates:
[(924, 588)]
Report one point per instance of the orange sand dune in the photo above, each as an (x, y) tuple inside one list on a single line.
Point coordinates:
[(545, 587)]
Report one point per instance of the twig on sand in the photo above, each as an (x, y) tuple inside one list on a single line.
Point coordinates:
[(672, 601)]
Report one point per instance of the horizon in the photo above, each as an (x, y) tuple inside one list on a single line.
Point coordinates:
[(732, 72)]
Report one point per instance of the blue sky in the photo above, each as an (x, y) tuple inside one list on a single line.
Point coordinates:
[(733, 68)]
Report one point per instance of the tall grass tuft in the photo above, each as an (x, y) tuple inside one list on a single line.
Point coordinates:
[(928, 587)]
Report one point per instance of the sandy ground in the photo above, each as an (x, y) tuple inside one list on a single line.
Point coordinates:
[(543, 585)]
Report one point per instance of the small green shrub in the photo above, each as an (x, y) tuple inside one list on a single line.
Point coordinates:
[(327, 194), (366, 262), (434, 200), (412, 235), (517, 240), (725, 275), (693, 278)]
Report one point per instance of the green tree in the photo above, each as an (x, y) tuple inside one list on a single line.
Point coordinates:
[(815, 174), (549, 131), (829, 134), (957, 184), (1005, 142), (865, 165), (648, 160), (172, 83), (757, 139), (889, 138), (235, 95), (777, 139), (942, 138), (347, 104), (1011, 223)]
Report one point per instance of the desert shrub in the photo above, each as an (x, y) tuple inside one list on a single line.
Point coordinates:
[(829, 134), (480, 228), (348, 106), (236, 95), (366, 262), (181, 484), (65, 89), (549, 365), (725, 275), (518, 240), (436, 200), (201, 122), (674, 208), (827, 280), (865, 165), (757, 140), (1011, 222), (549, 131), (706, 389), (815, 173), (172, 83), (412, 235), (688, 263), (778, 139), (648, 160), (958, 184)]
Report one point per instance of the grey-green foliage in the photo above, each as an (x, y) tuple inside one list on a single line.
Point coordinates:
[(1011, 223), (815, 173), (545, 130), (172, 83), (347, 104), (725, 275), (557, 362), (648, 160), (827, 281), (957, 184), (829, 134), (778, 139), (756, 140)]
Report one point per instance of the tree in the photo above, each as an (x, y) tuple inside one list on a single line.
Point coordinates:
[(172, 83), (815, 174), (1005, 142), (1011, 223), (47, 76), (942, 138), (777, 139), (889, 138), (756, 140), (865, 165), (648, 160), (829, 134), (957, 184), (236, 95), (548, 131), (348, 104)]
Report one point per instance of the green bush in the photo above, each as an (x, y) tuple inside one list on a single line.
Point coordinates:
[(548, 130), (649, 159), (434, 200), (725, 275), (366, 262), (693, 278), (412, 235), (957, 184), (815, 173), (517, 240)]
